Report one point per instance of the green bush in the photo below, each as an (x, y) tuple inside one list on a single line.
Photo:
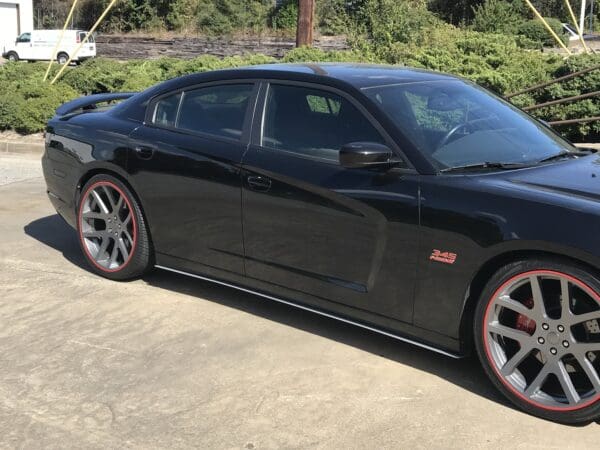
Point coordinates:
[(492, 60), (537, 32), (498, 16), (285, 16)]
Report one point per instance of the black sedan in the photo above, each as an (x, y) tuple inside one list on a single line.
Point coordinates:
[(410, 203)]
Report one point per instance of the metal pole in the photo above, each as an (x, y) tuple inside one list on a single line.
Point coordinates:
[(579, 31), (84, 41), (548, 27), (304, 31), (60, 38), (556, 80), (562, 100), (582, 16), (591, 27)]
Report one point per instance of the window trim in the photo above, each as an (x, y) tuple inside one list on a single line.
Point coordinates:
[(248, 114), (258, 126)]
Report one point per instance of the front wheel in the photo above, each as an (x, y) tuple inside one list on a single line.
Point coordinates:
[(62, 58), (537, 334), (112, 230), (12, 57)]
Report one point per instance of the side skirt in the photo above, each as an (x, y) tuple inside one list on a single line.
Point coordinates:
[(316, 311)]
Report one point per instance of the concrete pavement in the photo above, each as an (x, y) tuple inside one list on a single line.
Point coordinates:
[(172, 362)]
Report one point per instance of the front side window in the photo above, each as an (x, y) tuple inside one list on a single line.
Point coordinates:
[(216, 110), (459, 124), (313, 122), (24, 38)]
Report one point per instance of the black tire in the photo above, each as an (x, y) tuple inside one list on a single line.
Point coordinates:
[(140, 257), (62, 58), (496, 288), (12, 56)]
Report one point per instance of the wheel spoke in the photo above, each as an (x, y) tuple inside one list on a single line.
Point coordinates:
[(93, 215), (127, 220), (114, 254), (123, 249), (93, 234), (565, 300), (102, 249), (100, 202), (579, 318), (517, 359), (119, 204), (511, 333), (590, 371), (506, 301), (538, 300), (537, 382), (566, 383), (111, 200)]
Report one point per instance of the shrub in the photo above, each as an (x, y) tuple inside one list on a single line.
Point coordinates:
[(285, 16), (537, 32), (498, 16)]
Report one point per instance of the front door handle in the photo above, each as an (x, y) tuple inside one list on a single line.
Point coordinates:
[(144, 152), (258, 183)]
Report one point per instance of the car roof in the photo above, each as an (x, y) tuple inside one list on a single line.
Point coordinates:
[(359, 75)]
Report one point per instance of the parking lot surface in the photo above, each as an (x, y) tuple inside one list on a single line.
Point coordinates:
[(172, 362)]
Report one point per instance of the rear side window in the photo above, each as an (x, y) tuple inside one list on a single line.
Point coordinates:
[(165, 111), (216, 110), (313, 122)]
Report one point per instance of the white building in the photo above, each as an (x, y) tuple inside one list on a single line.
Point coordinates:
[(16, 17)]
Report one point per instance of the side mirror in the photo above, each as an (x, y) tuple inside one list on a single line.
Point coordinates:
[(365, 155)]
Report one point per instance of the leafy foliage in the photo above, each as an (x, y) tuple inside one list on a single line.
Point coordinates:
[(498, 16), (537, 32)]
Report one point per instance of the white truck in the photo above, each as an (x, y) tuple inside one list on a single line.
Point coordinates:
[(39, 45)]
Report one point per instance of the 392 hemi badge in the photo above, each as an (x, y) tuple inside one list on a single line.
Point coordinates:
[(443, 257)]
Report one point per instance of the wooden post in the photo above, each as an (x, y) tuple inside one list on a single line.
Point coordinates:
[(304, 31)]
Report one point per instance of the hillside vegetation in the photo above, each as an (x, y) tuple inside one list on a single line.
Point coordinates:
[(489, 47)]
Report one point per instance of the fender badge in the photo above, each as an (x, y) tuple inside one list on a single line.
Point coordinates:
[(443, 257)]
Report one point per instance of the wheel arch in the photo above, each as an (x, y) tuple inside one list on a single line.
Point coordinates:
[(490, 267)]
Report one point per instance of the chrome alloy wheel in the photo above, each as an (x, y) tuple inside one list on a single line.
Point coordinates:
[(542, 337), (107, 226)]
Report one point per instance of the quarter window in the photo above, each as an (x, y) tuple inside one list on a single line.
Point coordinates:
[(216, 110), (313, 122), (165, 112)]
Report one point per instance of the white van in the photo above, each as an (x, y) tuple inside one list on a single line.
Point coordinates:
[(38, 46)]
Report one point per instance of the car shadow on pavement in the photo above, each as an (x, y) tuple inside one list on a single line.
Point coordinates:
[(54, 232)]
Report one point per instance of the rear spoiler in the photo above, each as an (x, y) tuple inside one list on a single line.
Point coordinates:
[(90, 102)]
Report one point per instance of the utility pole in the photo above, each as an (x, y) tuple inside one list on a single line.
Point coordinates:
[(304, 31)]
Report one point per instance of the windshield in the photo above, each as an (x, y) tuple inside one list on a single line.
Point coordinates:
[(457, 124)]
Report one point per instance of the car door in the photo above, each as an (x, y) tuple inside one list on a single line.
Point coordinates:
[(186, 167), (340, 235), (24, 46)]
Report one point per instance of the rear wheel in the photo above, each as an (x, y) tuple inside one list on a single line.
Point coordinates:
[(62, 58), (12, 56), (112, 230), (537, 333)]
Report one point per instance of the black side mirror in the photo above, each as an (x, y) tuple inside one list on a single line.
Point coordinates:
[(365, 155)]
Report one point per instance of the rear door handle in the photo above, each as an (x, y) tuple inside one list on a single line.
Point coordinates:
[(144, 152), (258, 183)]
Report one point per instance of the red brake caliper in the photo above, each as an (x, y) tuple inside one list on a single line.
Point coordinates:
[(524, 323)]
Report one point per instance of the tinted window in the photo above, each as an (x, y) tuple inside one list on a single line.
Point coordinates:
[(313, 122), (217, 110), (165, 112), (25, 37), (459, 124)]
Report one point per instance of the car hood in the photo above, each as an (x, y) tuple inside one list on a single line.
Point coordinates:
[(575, 177)]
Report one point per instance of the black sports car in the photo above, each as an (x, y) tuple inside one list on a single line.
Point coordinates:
[(410, 203)]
